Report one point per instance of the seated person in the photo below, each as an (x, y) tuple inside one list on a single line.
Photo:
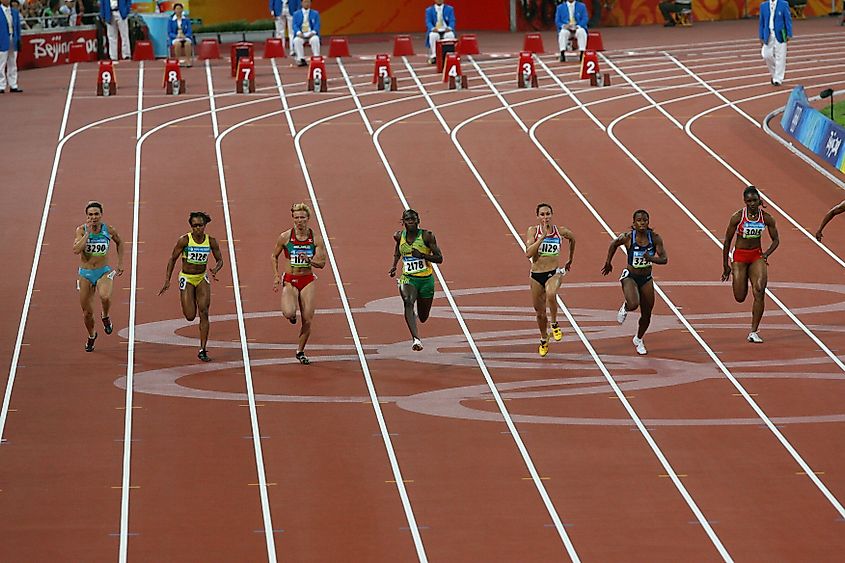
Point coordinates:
[(669, 7), (181, 35), (439, 25), (571, 19), (306, 27)]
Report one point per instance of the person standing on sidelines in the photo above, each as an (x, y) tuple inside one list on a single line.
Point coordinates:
[(542, 244), (306, 27), (418, 249), (775, 29), (571, 19), (645, 247), (194, 287), (181, 35), (282, 11), (114, 14), (304, 250), (92, 243), (834, 211), (10, 44), (748, 263), (439, 25)]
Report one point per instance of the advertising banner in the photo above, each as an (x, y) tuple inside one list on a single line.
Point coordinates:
[(822, 136), (52, 48)]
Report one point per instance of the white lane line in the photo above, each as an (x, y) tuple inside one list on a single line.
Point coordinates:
[(759, 411), (574, 98), (236, 283), (36, 259), (138, 125), (517, 438), (636, 87), (699, 515), (354, 96)]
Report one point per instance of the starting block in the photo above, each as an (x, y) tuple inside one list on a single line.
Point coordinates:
[(106, 79), (78, 53), (317, 79), (441, 49), (403, 46), (452, 72), (534, 43), (589, 65), (526, 76), (173, 82), (382, 74), (274, 48), (238, 51), (208, 49), (245, 78), (339, 47), (468, 44), (600, 79)]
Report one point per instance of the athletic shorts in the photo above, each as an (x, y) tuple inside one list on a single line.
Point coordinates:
[(94, 276), (424, 285), (193, 279), (299, 281), (747, 255), (638, 279), (543, 277)]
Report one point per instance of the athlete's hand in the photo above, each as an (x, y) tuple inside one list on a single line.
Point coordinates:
[(165, 287), (726, 275), (214, 275), (119, 270), (392, 271), (819, 235), (568, 266), (416, 253), (607, 268), (277, 281)]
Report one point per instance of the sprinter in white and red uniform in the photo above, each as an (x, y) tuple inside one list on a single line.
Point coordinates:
[(644, 248), (304, 249), (747, 262)]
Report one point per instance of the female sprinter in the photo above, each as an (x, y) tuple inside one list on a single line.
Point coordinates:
[(645, 247), (303, 250), (749, 262), (543, 249), (194, 287), (92, 242), (418, 249)]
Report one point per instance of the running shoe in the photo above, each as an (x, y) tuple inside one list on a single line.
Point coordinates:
[(417, 345), (621, 314), (544, 348), (557, 334), (107, 325), (303, 359), (638, 342), (89, 346), (203, 355), (755, 338), (292, 320)]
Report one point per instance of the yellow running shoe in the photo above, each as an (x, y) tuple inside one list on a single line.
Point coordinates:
[(557, 334), (544, 348)]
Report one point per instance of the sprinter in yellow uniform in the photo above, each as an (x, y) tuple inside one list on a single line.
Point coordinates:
[(195, 290), (417, 248)]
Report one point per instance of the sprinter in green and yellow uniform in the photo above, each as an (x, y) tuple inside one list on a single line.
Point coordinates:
[(418, 249), (194, 287)]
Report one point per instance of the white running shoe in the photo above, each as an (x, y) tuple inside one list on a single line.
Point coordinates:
[(638, 342), (754, 337), (417, 346), (621, 314)]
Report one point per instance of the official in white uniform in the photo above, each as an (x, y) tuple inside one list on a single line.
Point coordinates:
[(282, 11), (306, 27), (571, 19), (115, 14), (10, 44), (439, 25), (775, 30)]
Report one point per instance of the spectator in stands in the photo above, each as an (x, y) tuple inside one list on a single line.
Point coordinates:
[(571, 19), (68, 9), (306, 27), (181, 35), (10, 44), (17, 6), (669, 7), (774, 31), (439, 25), (89, 7), (282, 11), (114, 14)]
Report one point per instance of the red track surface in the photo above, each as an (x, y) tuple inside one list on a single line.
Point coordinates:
[(730, 485)]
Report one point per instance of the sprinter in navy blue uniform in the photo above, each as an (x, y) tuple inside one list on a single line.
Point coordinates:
[(645, 247)]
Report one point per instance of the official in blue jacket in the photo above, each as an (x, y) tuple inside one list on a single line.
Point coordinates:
[(306, 27), (774, 31), (115, 13), (181, 35), (282, 12), (10, 44), (571, 19), (439, 25)]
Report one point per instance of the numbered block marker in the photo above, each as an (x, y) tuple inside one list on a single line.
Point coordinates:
[(526, 74), (383, 75), (245, 77), (106, 79), (317, 79), (173, 83), (589, 65)]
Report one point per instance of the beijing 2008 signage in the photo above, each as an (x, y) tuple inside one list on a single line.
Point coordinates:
[(48, 49)]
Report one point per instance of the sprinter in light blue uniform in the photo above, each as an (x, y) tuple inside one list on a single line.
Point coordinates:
[(92, 243)]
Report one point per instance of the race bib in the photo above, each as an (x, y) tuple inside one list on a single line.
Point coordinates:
[(638, 259), (411, 265), (96, 248), (197, 255), (549, 247), (753, 230), (300, 259)]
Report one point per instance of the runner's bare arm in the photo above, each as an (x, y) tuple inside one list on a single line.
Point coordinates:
[(436, 256), (835, 210), (218, 256), (659, 256), (115, 236), (80, 239), (568, 235), (320, 255), (174, 256), (773, 234), (611, 250), (396, 254), (532, 246), (274, 258), (726, 245)]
